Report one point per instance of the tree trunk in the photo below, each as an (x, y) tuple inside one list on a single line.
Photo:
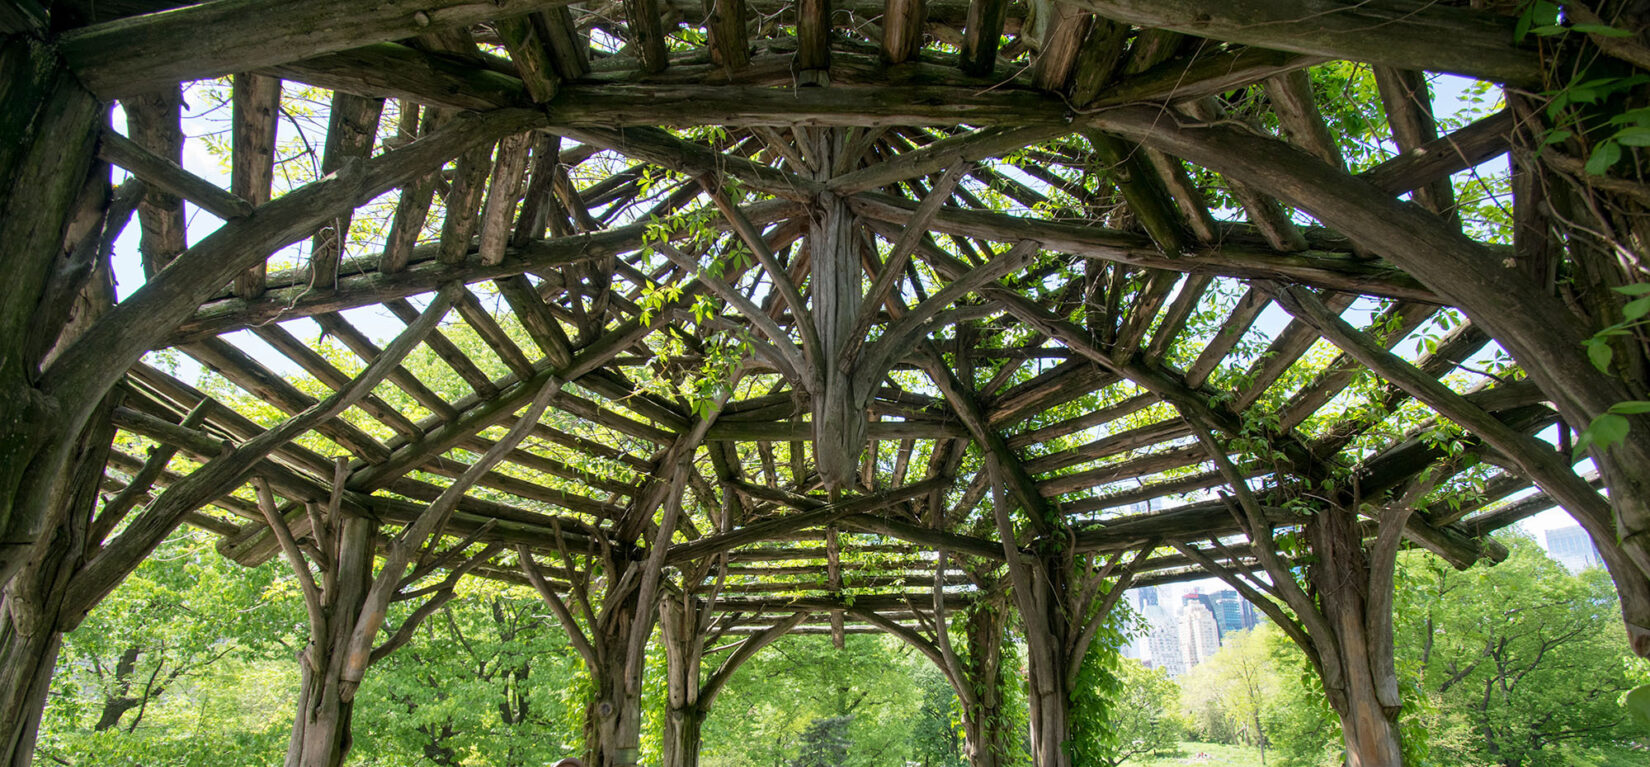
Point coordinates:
[(326, 701), (1370, 732), (1360, 679), (679, 626), (48, 125), (988, 739), (682, 736), (839, 410), (1048, 666), (321, 729), (116, 705), (1050, 725), (36, 607), (26, 662), (613, 721)]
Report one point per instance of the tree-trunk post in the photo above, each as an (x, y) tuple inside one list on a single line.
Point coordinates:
[(838, 277), (989, 741), (321, 727), (1363, 695), (27, 657), (48, 130), (613, 718), (682, 736), (679, 624), (36, 606)]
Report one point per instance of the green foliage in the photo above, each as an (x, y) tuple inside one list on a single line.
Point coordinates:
[(1529, 657), (171, 668), (764, 715), (1146, 715), (489, 680), (825, 743), (937, 738), (1233, 693)]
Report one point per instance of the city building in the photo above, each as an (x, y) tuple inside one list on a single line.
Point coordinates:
[(1199, 634), (1232, 612), (1164, 647), (1572, 547)]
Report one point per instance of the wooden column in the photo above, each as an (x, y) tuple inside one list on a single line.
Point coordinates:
[(154, 122), (838, 291), (1341, 618), (615, 614), (1056, 594), (321, 727), (688, 624), (48, 126), (257, 103)]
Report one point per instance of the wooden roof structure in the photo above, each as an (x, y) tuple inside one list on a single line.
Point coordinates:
[(848, 137), (760, 290)]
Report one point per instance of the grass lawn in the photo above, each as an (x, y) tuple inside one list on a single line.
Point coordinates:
[(1212, 754)]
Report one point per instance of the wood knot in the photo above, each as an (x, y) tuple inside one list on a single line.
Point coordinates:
[(421, 18)]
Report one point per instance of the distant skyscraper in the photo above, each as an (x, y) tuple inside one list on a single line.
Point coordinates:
[(1199, 634), (1164, 642), (1229, 613), (1146, 596), (1572, 547)]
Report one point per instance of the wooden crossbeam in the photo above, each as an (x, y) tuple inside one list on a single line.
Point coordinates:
[(1400, 33), (140, 53)]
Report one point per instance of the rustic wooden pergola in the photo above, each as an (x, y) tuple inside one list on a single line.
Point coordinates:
[(807, 317)]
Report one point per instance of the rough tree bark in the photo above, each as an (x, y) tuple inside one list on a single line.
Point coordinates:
[(1059, 596), (321, 726), (989, 740), (48, 128), (613, 647), (686, 624), (1343, 624)]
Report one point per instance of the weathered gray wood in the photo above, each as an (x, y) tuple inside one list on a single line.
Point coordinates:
[(215, 38), (502, 194), (166, 176), (1063, 32), (522, 38), (1402, 33), (352, 128), (1408, 102), (1325, 270), (101, 356), (154, 121), (815, 517), (257, 101)]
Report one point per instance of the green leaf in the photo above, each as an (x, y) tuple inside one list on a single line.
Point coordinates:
[(1558, 137), (1631, 407), (1636, 289), (1602, 30), (1605, 156), (1608, 429), (1636, 308), (1637, 135), (1600, 353), (1637, 703)]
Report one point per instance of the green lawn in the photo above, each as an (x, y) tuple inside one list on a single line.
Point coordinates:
[(1213, 754)]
